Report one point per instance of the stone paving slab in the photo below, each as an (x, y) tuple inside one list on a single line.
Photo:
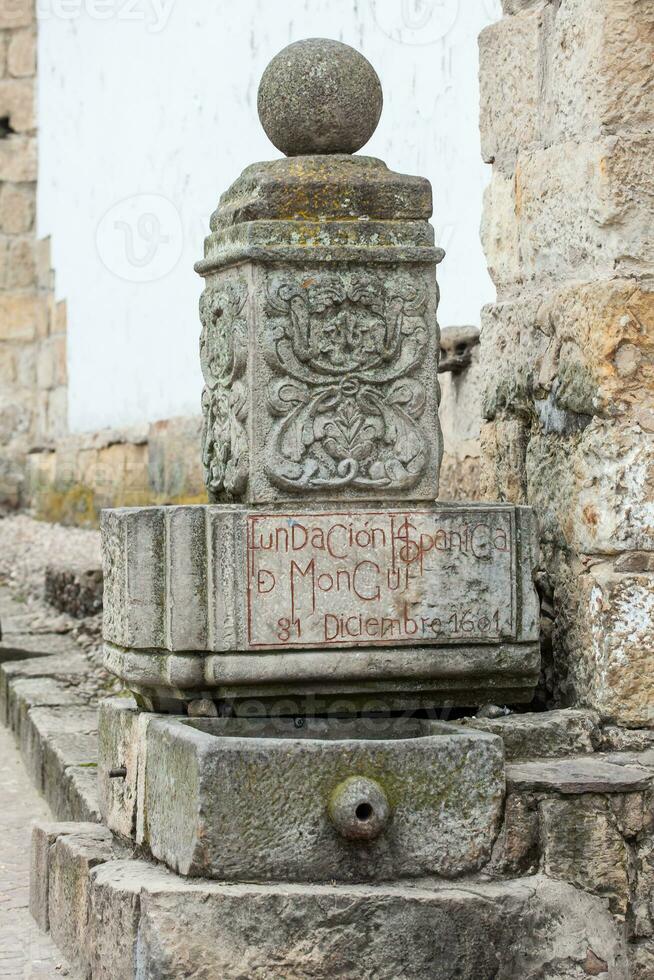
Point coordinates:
[(25, 952), (48, 694), (36, 644), (574, 776)]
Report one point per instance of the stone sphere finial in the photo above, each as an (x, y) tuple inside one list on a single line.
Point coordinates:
[(319, 96)]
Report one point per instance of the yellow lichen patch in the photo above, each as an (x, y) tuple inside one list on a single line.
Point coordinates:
[(76, 505)]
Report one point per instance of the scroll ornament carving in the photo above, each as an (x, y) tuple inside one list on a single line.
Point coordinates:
[(223, 355), (345, 349)]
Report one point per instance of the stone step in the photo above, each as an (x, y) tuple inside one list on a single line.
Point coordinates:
[(539, 735), (46, 700), (577, 776), (105, 909)]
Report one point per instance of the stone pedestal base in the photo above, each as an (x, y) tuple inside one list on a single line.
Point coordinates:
[(307, 609), (117, 918)]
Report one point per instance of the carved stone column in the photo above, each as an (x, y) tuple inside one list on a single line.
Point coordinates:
[(320, 343), (324, 572)]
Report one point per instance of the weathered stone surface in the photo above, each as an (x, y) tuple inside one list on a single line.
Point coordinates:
[(115, 911), (17, 208), (121, 745), (543, 735), (571, 209), (590, 488), (527, 928), (584, 347), (644, 759), (158, 463), (575, 776), (347, 357), (74, 588), (460, 415), (604, 641), (639, 913), (328, 550), (51, 369), (321, 194), (21, 53), (319, 96), (458, 349), (71, 860), (26, 646), (281, 683), (174, 464), (22, 682), (573, 70), (516, 851), (511, 67), (460, 476), (33, 692), (18, 158), (54, 739), (582, 845), (178, 580), (641, 960), (241, 800), (24, 318), (17, 13), (616, 739), (515, 6), (19, 261), (504, 448), (44, 836), (633, 812), (17, 103), (600, 74), (81, 794), (567, 350), (339, 344), (56, 733)]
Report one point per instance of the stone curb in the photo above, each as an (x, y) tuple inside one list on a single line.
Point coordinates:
[(53, 724)]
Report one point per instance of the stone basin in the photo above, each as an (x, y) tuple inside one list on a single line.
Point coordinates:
[(365, 799)]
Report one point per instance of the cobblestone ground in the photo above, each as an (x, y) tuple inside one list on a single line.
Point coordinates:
[(25, 952)]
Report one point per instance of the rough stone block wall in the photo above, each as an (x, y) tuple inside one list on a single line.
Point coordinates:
[(567, 351), (161, 463), (32, 326)]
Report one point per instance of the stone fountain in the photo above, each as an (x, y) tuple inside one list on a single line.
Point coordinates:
[(290, 646), (323, 576), (282, 792), (285, 635)]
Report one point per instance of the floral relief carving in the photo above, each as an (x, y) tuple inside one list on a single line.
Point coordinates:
[(345, 349), (223, 355)]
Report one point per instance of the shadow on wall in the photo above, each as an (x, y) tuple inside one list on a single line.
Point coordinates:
[(460, 413)]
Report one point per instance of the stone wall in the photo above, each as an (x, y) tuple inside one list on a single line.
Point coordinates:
[(567, 107), (159, 463), (32, 325), (460, 414), (62, 477)]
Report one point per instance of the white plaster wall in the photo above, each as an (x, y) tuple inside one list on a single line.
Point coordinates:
[(147, 112)]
